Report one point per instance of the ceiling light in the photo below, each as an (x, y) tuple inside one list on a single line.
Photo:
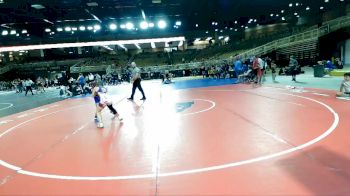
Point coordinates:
[(24, 31), (297, 4), (291, 5), (236, 29), (90, 28), (321, 8), (82, 28), (129, 25), (4, 32), (13, 32), (307, 8), (295, 13), (17, 34), (92, 4), (67, 29), (196, 25), (282, 11), (151, 24), (161, 24), (97, 27), (112, 26), (144, 25), (37, 6), (326, 1), (74, 28), (236, 22), (283, 18), (122, 26), (178, 23), (271, 15), (47, 30), (58, 29)]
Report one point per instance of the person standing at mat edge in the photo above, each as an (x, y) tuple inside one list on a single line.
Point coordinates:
[(136, 82), (28, 84)]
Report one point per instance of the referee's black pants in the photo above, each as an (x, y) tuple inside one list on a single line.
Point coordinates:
[(137, 84)]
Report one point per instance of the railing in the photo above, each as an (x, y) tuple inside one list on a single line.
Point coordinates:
[(314, 34)]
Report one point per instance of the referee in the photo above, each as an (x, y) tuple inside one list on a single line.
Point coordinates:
[(136, 82)]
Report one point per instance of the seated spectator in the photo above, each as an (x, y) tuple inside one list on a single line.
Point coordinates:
[(330, 66), (345, 86), (339, 63)]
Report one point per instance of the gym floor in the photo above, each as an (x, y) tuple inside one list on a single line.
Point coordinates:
[(195, 137)]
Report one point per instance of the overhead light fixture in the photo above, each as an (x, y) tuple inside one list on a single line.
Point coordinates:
[(90, 28), (13, 32), (291, 5), (74, 28), (97, 27), (326, 1), (82, 28), (161, 24), (283, 19), (236, 29), (24, 31), (122, 26), (151, 24), (307, 8), (295, 13), (297, 4), (143, 14), (112, 26), (92, 4), (129, 25), (271, 15), (321, 8), (37, 6), (178, 23), (47, 30), (144, 25), (4, 32), (196, 25), (67, 29), (17, 34), (282, 11), (58, 29), (48, 21), (236, 22)]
